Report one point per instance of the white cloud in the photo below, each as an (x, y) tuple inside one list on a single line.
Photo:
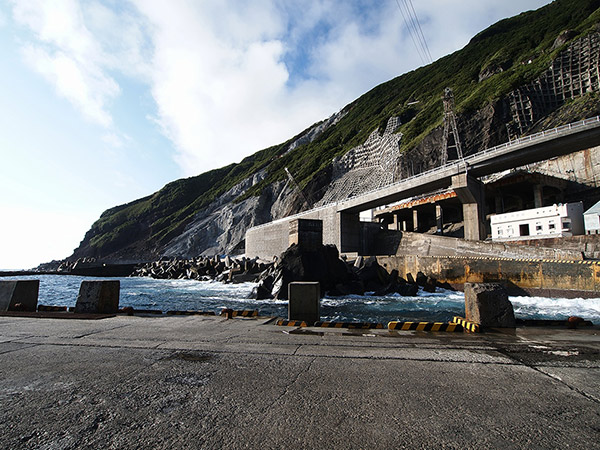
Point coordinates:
[(223, 74)]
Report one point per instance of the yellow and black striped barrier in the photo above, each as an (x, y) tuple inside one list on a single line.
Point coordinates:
[(239, 312), (425, 326), (350, 325), (51, 308), (245, 313), (468, 326), (291, 323), (191, 313)]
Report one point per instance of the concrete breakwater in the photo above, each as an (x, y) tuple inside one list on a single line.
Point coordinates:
[(228, 269), (551, 278)]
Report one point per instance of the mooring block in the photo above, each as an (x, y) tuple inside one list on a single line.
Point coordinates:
[(487, 304), (98, 297), (303, 302), (19, 295)]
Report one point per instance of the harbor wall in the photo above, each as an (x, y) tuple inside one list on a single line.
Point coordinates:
[(552, 278)]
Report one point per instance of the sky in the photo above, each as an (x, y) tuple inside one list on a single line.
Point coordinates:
[(104, 102)]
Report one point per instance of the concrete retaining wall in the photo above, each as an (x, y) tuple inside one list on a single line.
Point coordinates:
[(405, 243), (521, 276), (272, 239)]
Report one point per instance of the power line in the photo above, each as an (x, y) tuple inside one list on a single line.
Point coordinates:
[(414, 28), (420, 30), (412, 35)]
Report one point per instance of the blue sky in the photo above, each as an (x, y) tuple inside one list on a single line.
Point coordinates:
[(107, 101)]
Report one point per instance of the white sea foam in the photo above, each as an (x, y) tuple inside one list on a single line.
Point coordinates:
[(557, 308)]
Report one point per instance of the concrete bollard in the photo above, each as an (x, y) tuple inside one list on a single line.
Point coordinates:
[(98, 297), (19, 295), (303, 301), (487, 304)]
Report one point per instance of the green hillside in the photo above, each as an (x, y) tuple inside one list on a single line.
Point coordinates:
[(148, 223)]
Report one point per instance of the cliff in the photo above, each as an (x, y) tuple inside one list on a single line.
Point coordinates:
[(536, 70)]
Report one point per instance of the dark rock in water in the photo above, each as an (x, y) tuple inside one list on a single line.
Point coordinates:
[(398, 285), (355, 287), (427, 283), (487, 304), (407, 290), (373, 276), (323, 265), (242, 278)]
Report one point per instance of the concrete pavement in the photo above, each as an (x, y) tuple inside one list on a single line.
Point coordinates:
[(207, 382)]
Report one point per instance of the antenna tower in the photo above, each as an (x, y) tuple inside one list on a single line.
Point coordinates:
[(450, 126)]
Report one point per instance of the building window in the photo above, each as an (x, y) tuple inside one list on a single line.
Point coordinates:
[(552, 226), (538, 228)]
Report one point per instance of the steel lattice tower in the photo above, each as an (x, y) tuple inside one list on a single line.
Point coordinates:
[(450, 126)]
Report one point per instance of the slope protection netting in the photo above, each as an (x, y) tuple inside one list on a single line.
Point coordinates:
[(366, 167)]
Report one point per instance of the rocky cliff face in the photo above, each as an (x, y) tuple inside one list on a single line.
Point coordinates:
[(537, 70)]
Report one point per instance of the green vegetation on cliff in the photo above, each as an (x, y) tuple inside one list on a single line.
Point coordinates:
[(506, 55)]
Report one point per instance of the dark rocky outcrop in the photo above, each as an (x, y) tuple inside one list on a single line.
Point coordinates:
[(336, 276), (322, 265)]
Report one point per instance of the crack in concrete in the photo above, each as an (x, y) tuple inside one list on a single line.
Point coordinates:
[(289, 385), (17, 349)]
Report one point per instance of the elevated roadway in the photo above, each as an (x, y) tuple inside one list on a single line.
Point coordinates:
[(340, 219), (529, 149)]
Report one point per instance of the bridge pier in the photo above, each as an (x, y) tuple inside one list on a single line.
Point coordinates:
[(470, 192), (349, 237), (439, 218)]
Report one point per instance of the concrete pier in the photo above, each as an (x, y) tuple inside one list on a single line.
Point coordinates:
[(206, 382)]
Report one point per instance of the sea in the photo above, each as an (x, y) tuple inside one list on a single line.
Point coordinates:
[(166, 295)]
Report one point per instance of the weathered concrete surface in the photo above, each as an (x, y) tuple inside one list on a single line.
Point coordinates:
[(487, 304), (549, 278), (98, 296), (204, 382), (303, 304), (19, 294)]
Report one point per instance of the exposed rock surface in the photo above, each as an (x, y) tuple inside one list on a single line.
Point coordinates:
[(336, 277)]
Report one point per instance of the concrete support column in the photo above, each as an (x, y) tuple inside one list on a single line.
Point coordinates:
[(349, 237), (415, 220), (538, 198), (439, 218), (395, 225), (404, 225), (470, 192)]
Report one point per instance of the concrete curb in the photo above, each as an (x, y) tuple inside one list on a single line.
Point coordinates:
[(291, 323), (190, 313), (350, 325), (471, 327), (425, 326), (51, 308)]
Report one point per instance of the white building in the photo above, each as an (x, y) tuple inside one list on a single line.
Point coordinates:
[(591, 218), (549, 221)]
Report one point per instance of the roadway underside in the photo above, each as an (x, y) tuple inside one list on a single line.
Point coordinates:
[(205, 382)]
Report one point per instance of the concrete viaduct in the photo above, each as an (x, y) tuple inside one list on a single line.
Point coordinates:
[(341, 225)]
